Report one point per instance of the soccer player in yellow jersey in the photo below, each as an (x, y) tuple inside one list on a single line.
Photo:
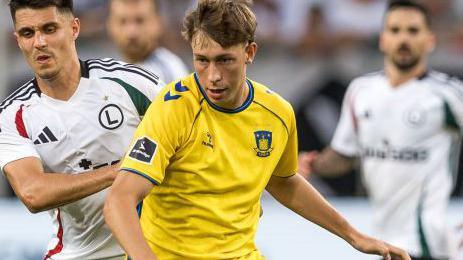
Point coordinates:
[(199, 167)]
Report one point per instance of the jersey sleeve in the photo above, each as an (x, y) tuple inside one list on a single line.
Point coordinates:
[(453, 103), (13, 146), (287, 166), (157, 138), (345, 137)]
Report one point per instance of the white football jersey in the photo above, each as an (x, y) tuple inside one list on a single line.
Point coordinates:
[(165, 64), (90, 130), (408, 139)]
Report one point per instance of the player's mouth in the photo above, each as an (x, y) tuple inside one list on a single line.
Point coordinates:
[(43, 59), (216, 93)]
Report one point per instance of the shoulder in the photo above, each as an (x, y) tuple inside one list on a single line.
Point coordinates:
[(167, 55), (436, 78), (273, 102), (171, 61), (129, 75), (179, 99), (108, 67), (21, 96), (367, 79), (366, 82)]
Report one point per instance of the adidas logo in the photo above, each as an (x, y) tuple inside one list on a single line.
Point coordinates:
[(46, 136)]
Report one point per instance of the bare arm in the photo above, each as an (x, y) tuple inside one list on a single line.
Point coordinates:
[(298, 195), (121, 215), (41, 191), (328, 163)]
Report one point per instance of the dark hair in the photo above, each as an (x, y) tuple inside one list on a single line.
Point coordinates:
[(227, 22), (396, 4), (64, 6)]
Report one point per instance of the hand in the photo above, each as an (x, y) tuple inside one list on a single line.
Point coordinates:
[(373, 246), (305, 163), (113, 170)]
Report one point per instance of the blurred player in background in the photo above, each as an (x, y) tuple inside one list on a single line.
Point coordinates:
[(136, 28), (200, 167), (63, 133), (404, 124)]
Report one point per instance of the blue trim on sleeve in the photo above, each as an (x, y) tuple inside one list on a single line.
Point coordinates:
[(245, 105), (141, 174)]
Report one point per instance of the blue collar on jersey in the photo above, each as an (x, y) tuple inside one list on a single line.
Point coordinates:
[(246, 103)]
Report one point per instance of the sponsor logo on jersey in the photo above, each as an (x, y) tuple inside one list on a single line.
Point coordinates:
[(46, 136), (111, 117), (207, 140), (143, 150), (263, 143), (406, 154), (88, 164)]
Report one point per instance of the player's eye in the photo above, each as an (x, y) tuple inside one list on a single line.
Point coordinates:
[(413, 30), (394, 30), (50, 29), (201, 60), (139, 20), (225, 60), (26, 33)]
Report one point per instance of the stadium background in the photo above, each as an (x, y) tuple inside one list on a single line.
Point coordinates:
[(309, 50)]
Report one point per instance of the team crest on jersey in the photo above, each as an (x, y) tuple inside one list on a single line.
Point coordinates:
[(415, 117), (111, 117), (143, 150), (263, 143)]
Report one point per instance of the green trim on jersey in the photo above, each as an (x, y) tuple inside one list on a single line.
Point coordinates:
[(139, 99), (425, 252), (449, 117)]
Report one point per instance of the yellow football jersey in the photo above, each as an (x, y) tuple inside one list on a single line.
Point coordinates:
[(210, 166)]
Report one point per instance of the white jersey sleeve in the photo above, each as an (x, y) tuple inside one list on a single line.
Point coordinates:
[(345, 137), (452, 93), (14, 146)]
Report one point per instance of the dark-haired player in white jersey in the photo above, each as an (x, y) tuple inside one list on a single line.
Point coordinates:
[(63, 132), (404, 123)]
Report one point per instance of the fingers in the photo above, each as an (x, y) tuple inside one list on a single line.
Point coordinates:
[(305, 160), (397, 253)]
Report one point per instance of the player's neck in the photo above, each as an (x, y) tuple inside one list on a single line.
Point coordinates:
[(64, 84), (397, 77)]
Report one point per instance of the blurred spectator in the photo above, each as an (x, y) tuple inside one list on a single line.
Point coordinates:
[(135, 27)]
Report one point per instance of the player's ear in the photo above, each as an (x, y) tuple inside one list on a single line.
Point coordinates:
[(251, 50), (381, 42), (431, 42), (75, 28)]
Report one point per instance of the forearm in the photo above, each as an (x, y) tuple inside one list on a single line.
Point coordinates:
[(298, 195), (330, 163), (63, 189), (41, 191), (122, 218)]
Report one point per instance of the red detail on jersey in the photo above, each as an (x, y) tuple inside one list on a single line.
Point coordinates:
[(20, 123), (58, 246)]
